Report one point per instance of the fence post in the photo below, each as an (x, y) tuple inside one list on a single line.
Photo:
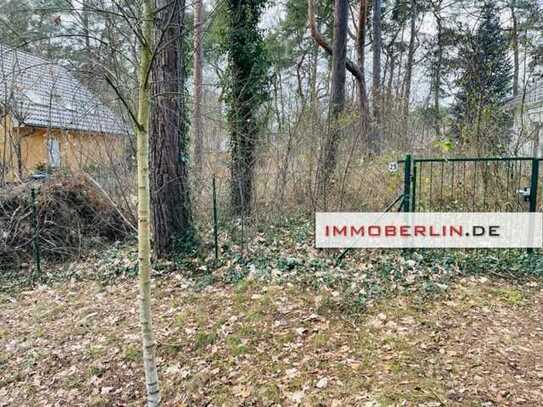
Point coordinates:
[(407, 183), (533, 185), (533, 189), (413, 197), (36, 235), (215, 222)]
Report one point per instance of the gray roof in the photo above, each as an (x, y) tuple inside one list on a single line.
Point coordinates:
[(40, 93)]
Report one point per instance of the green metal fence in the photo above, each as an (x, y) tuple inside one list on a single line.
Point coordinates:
[(488, 184)]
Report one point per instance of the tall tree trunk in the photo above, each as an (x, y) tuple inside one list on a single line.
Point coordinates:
[(437, 69), (361, 34), (241, 118), (327, 160), (243, 145), (198, 86), (144, 238), (514, 45), (247, 89), (85, 12), (313, 79), (169, 149), (409, 68), (361, 55), (376, 133), (399, 88), (387, 97), (315, 116), (354, 69), (88, 66)]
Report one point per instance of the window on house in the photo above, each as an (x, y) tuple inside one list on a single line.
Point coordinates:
[(53, 152), (35, 97), (68, 103), (56, 99)]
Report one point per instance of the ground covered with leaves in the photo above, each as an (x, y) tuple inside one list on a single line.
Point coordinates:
[(480, 342), (277, 322)]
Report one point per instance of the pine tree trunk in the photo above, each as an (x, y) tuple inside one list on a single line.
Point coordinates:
[(376, 132), (327, 161), (409, 68), (514, 44), (437, 70), (172, 219), (313, 79), (144, 243), (85, 12), (361, 58), (198, 86)]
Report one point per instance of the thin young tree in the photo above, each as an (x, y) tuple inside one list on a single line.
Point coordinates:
[(144, 202)]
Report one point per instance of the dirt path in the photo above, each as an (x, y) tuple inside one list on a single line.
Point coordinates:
[(479, 344)]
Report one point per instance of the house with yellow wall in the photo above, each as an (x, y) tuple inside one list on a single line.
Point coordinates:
[(49, 120)]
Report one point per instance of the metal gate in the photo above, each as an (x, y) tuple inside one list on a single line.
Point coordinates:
[(489, 184)]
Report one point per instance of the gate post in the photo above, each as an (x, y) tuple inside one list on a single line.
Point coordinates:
[(533, 185), (533, 188), (413, 197), (406, 204)]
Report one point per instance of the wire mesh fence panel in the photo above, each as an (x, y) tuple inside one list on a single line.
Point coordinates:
[(472, 184)]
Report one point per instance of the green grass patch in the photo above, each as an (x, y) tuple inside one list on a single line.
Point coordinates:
[(204, 338), (132, 353)]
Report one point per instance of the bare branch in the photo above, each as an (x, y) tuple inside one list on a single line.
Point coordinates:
[(124, 102), (319, 39), (103, 191)]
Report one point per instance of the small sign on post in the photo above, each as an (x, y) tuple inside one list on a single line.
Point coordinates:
[(393, 166)]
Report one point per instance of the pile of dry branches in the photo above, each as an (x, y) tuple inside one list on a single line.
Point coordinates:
[(71, 215)]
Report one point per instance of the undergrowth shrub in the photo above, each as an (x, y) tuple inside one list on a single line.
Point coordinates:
[(72, 216)]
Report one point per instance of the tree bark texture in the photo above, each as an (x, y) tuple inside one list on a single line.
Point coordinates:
[(514, 44), (376, 133), (327, 161), (169, 147), (198, 86), (409, 67), (361, 55), (356, 70), (438, 68)]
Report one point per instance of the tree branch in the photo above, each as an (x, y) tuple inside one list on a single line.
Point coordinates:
[(319, 39), (124, 102)]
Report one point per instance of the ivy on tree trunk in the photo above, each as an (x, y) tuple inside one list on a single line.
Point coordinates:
[(246, 89)]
